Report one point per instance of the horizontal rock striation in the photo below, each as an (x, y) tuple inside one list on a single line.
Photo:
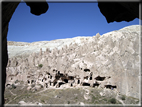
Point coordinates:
[(109, 61)]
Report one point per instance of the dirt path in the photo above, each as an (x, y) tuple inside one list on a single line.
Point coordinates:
[(41, 91), (12, 93)]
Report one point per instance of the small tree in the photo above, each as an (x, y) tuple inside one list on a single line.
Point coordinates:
[(13, 86), (123, 97), (113, 100), (40, 65), (16, 81), (68, 102)]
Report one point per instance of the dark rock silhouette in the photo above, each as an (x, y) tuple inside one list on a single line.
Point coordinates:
[(112, 12), (119, 11), (8, 9)]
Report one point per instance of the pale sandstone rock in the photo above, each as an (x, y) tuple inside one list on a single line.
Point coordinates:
[(78, 61)]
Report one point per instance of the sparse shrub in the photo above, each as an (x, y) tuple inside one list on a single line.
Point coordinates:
[(41, 86), (32, 85), (40, 65), (105, 99), (137, 101), (16, 81), (113, 100), (123, 97), (42, 101), (68, 102), (13, 86), (21, 82)]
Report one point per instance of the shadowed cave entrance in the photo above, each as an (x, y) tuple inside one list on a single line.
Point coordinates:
[(54, 83), (70, 77), (110, 86), (28, 81), (85, 84), (60, 83), (100, 78), (65, 80), (46, 84), (96, 84), (87, 70), (78, 81)]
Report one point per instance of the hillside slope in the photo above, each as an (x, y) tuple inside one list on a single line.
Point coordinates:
[(110, 61)]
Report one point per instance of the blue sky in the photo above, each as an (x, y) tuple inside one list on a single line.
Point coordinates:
[(62, 20)]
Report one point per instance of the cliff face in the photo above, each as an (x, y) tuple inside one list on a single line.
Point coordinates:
[(109, 61)]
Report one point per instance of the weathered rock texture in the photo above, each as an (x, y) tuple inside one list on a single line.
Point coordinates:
[(37, 8), (107, 61)]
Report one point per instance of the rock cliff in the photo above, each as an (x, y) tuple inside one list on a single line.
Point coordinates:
[(111, 60)]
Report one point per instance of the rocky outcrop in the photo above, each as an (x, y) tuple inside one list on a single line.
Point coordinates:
[(129, 13), (107, 61), (8, 9), (119, 11)]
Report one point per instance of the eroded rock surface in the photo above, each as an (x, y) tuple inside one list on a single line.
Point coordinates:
[(108, 61)]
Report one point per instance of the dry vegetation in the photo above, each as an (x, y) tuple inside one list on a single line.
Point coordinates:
[(65, 96)]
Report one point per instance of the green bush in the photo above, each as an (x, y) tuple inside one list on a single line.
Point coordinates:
[(42, 101), (113, 100), (68, 102), (123, 97), (41, 86), (40, 65), (16, 81), (13, 86)]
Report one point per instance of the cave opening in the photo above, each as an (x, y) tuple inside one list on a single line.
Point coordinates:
[(78, 81), (60, 83), (96, 84), (48, 73), (46, 85), (65, 80), (58, 72), (70, 77), (114, 86), (100, 78), (7, 85), (57, 76), (28, 81), (50, 77), (54, 70), (32, 81), (86, 77), (54, 83), (86, 84), (110, 86), (61, 74), (87, 70)]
